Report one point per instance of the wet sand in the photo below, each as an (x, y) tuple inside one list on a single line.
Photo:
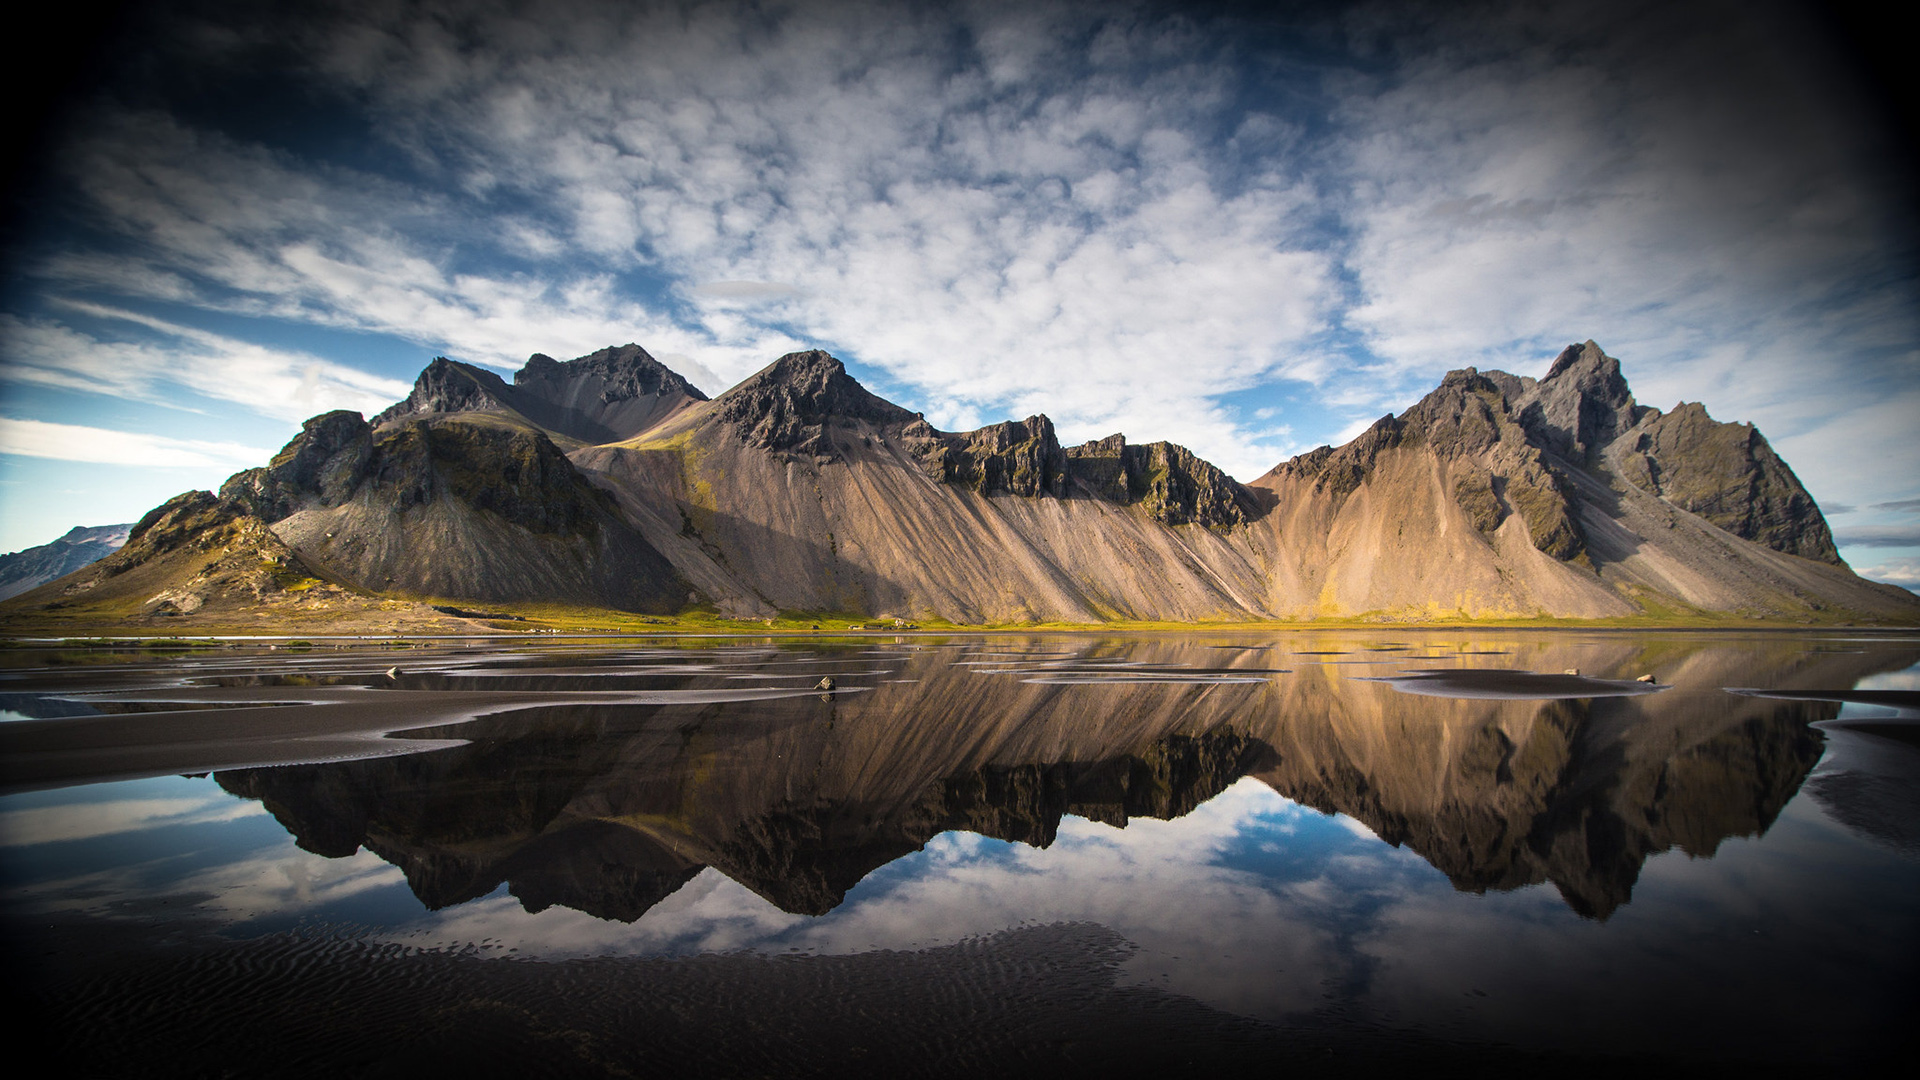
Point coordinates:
[(1041, 1001)]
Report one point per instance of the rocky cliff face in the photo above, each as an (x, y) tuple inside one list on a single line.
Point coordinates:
[(1469, 420), (605, 396), (1727, 474), (788, 406), (446, 386), (1014, 458)]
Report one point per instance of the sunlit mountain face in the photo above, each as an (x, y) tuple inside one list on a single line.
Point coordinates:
[(1243, 231), (1472, 847)]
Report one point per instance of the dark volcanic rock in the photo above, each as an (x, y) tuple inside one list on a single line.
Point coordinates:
[(605, 396), (1016, 458), (1582, 405), (1177, 488), (788, 405), (1174, 486), (1341, 470), (449, 386), (513, 472), (1466, 414), (602, 397), (1727, 474), (624, 372), (518, 475), (321, 466)]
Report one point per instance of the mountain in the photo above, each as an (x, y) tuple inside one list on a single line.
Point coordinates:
[(610, 481), (1500, 494), (35, 566)]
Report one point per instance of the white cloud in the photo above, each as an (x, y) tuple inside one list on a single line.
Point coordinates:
[(73, 442), (1902, 572), (272, 382), (1033, 226), (1108, 215), (235, 227)]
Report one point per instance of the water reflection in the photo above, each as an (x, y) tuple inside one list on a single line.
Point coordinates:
[(1270, 831), (610, 810)]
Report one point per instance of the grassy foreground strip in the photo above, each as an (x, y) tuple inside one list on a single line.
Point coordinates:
[(524, 620)]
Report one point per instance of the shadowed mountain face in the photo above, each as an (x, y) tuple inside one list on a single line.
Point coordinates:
[(611, 810), (610, 481)]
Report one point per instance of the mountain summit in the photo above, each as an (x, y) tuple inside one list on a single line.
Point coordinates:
[(610, 481)]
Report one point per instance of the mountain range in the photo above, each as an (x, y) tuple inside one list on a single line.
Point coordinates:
[(611, 482), (81, 546)]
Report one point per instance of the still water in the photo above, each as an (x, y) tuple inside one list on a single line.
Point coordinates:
[(1338, 853)]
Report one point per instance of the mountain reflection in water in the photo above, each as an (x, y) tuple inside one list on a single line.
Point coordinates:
[(946, 789), (611, 810)]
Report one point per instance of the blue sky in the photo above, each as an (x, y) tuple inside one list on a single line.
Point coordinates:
[(1250, 229)]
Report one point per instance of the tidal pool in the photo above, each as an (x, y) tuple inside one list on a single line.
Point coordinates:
[(1050, 854)]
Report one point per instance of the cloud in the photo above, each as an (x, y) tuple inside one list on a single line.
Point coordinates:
[(72, 442), (236, 227), (1109, 213), (743, 292), (1879, 536), (1017, 225), (272, 382), (1899, 505), (1902, 572)]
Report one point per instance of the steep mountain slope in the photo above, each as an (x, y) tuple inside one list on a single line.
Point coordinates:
[(609, 481), (1499, 495), (798, 489), (35, 566), (465, 505)]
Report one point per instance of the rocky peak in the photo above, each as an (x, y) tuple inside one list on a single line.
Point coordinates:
[(1727, 474), (1342, 469), (1582, 405), (1168, 480), (450, 386), (625, 371), (1178, 488), (1018, 457), (1466, 414), (321, 466), (787, 405)]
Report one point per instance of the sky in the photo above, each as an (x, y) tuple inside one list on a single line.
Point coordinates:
[(1248, 228)]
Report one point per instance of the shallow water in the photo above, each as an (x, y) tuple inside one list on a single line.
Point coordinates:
[(1325, 851)]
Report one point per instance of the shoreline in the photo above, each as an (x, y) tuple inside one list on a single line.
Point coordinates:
[(224, 636)]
